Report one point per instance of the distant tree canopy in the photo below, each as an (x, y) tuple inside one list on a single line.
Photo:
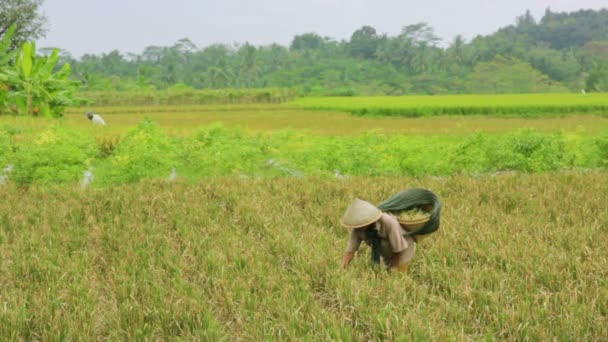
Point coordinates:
[(307, 41), (25, 15), (560, 51)]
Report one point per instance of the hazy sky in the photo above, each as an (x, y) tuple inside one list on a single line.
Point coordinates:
[(96, 26)]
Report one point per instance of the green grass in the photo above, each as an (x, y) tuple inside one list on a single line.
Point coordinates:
[(527, 105), (517, 257)]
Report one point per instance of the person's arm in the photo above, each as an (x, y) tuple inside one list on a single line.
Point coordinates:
[(354, 241)]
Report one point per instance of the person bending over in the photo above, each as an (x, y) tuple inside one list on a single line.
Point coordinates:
[(96, 119), (381, 231)]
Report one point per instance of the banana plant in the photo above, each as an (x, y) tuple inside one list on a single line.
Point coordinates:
[(32, 85)]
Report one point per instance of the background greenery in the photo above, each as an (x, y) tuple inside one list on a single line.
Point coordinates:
[(555, 53)]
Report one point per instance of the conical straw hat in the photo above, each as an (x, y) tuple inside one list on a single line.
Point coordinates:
[(360, 214)]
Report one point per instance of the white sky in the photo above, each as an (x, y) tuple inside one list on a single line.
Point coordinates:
[(99, 26)]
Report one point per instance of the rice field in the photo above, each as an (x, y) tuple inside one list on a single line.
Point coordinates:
[(518, 105), (245, 243), (517, 257), (255, 118)]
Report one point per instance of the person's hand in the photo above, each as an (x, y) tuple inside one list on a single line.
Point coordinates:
[(348, 257)]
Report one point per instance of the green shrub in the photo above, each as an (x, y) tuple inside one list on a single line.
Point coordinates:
[(54, 156), (217, 150), (145, 152), (471, 154), (367, 154), (529, 150), (523, 150)]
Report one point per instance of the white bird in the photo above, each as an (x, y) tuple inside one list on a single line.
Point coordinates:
[(96, 119)]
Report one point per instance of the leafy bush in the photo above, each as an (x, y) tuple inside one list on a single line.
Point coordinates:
[(528, 150), (314, 155), (145, 152), (523, 150), (216, 150), (470, 155), (366, 154), (54, 156)]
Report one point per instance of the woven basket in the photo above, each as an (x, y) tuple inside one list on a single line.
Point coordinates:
[(413, 224)]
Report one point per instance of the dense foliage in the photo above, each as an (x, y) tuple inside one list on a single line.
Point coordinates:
[(59, 154), (53, 156), (562, 51)]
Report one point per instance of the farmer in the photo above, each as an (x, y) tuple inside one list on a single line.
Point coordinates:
[(96, 119), (381, 231)]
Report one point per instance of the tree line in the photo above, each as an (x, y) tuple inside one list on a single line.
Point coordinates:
[(560, 52)]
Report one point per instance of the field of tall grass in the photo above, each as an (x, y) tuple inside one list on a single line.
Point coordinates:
[(518, 257), (526, 105), (221, 222)]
